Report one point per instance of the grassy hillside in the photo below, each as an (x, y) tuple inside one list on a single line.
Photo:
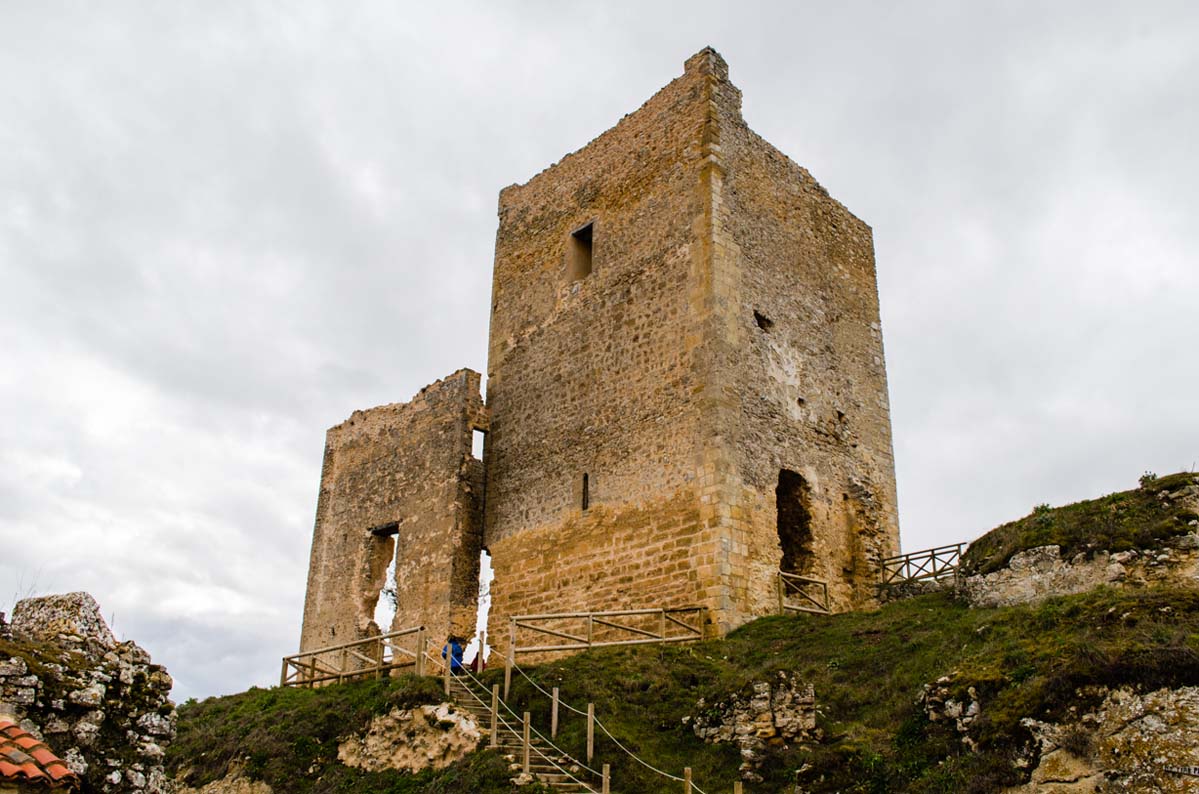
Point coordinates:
[(868, 670), (1161, 508)]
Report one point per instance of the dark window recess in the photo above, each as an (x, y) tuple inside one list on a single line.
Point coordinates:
[(586, 492), (764, 322), (578, 254), (794, 522), (386, 530)]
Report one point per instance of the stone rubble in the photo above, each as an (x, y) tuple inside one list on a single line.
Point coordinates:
[(101, 704), (938, 704), (761, 716)]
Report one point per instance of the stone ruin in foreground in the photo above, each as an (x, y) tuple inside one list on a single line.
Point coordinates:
[(686, 393)]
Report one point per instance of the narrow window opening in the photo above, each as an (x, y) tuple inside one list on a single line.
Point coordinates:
[(793, 500), (586, 491), (478, 439), (764, 322), (579, 251)]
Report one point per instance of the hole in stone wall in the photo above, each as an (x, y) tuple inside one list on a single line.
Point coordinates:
[(586, 491), (579, 253), (478, 439), (793, 500), (387, 547), (486, 575), (764, 322), (386, 530)]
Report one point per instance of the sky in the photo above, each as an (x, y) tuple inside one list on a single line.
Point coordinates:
[(224, 226)]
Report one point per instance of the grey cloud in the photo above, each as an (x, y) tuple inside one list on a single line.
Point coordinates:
[(225, 226)]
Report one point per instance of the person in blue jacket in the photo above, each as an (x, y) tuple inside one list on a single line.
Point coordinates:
[(454, 648)]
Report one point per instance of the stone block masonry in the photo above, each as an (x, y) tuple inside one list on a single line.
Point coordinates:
[(686, 392), (400, 487)]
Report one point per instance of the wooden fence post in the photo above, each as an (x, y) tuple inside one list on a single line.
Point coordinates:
[(449, 661), (737, 788), (590, 731), (283, 674), (687, 780), (781, 595), (525, 745), (495, 715), (420, 651), (554, 716), (607, 780), (663, 624), (511, 660), (341, 666)]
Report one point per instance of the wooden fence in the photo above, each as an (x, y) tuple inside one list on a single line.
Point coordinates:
[(938, 563), (373, 657), (802, 594)]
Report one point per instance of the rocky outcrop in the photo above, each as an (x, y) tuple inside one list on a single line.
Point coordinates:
[(763, 715), (100, 703), (1131, 743), (233, 783), (425, 737), (1039, 573)]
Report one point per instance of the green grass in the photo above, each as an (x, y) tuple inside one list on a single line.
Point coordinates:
[(868, 670), (289, 737), (1140, 518)]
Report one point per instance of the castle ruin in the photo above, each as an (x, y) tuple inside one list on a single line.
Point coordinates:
[(686, 394)]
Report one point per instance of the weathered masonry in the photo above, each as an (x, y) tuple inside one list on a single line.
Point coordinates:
[(686, 394)]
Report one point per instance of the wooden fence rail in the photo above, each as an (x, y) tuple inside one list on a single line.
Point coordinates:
[(802, 594), (584, 630), (937, 563), (373, 657)]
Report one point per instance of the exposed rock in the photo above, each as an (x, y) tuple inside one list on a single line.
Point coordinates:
[(1136, 743), (760, 716), (232, 783), (1039, 573), (104, 703), (412, 739), (69, 616)]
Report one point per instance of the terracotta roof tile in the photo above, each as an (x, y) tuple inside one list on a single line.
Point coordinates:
[(24, 759)]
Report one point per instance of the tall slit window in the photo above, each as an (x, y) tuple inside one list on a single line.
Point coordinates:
[(578, 255), (586, 492)]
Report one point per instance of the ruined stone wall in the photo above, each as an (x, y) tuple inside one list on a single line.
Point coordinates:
[(599, 376), (408, 464), (801, 354)]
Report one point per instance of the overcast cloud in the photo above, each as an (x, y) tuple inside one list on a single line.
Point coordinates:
[(225, 226)]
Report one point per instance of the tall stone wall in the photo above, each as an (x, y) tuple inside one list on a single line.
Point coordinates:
[(801, 373), (726, 338), (599, 376), (399, 481), (686, 391)]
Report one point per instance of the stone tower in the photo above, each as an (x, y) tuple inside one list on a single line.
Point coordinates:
[(686, 393), (686, 378)]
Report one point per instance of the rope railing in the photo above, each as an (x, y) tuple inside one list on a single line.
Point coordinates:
[(608, 733), (520, 720)]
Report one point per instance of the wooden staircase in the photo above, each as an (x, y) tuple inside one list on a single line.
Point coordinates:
[(546, 763)]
